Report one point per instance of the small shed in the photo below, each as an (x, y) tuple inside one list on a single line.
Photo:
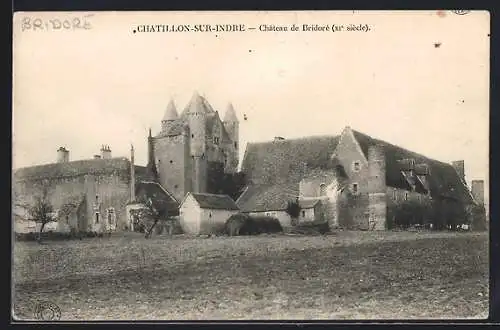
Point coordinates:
[(310, 211), (202, 213)]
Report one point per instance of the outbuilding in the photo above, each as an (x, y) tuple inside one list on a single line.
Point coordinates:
[(203, 214)]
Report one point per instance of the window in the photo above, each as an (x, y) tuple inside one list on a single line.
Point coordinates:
[(171, 161), (236, 144), (355, 188), (97, 217), (216, 140), (303, 214), (419, 198), (210, 215), (395, 194), (322, 189), (356, 166), (406, 196), (111, 215)]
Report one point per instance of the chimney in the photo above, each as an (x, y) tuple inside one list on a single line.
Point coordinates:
[(97, 156), (278, 138), (477, 191), (460, 168), (105, 152), (132, 174), (62, 155)]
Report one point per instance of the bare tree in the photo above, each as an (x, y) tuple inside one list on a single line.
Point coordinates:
[(41, 212), (156, 213)]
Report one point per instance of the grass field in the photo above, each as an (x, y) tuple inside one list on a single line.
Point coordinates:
[(348, 275)]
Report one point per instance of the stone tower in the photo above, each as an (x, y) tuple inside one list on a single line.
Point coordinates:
[(377, 204), (197, 117), (169, 118), (231, 124)]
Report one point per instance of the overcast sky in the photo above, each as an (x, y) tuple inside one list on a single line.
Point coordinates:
[(417, 79)]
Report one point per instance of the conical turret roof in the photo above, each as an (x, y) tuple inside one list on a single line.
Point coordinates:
[(196, 104), (171, 112), (230, 115)]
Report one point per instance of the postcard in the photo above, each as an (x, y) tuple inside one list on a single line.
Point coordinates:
[(239, 165)]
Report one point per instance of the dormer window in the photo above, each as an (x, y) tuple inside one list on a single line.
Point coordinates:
[(322, 189), (356, 166)]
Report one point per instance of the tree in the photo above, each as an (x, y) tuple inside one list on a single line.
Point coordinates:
[(293, 209), (155, 213), (41, 212)]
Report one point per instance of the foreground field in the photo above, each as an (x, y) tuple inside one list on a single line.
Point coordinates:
[(350, 275)]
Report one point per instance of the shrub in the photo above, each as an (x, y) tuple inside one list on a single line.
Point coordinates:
[(243, 224), (312, 228)]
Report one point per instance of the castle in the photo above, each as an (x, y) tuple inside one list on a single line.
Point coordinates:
[(349, 180), (189, 154), (194, 148)]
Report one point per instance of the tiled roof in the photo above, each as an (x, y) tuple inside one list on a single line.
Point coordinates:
[(443, 180), (160, 197), (308, 203), (230, 115), (74, 168), (213, 201), (276, 161), (261, 198)]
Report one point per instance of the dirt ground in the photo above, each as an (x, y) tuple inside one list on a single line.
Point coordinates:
[(347, 275)]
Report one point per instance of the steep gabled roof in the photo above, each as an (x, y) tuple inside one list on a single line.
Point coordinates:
[(230, 115), (308, 203), (214, 201), (160, 197), (443, 180), (74, 168), (275, 161), (262, 198)]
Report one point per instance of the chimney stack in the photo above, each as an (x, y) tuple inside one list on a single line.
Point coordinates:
[(105, 152), (459, 166), (477, 191), (62, 155), (132, 174), (97, 156)]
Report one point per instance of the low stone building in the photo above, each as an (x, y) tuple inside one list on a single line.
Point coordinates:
[(203, 214), (87, 195), (359, 180)]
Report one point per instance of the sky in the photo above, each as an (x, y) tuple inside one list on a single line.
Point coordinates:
[(416, 79)]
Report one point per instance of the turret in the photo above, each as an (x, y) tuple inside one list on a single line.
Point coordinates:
[(231, 124), (169, 117), (151, 166), (197, 114)]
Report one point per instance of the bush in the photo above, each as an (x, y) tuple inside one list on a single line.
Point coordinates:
[(312, 228), (243, 224)]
